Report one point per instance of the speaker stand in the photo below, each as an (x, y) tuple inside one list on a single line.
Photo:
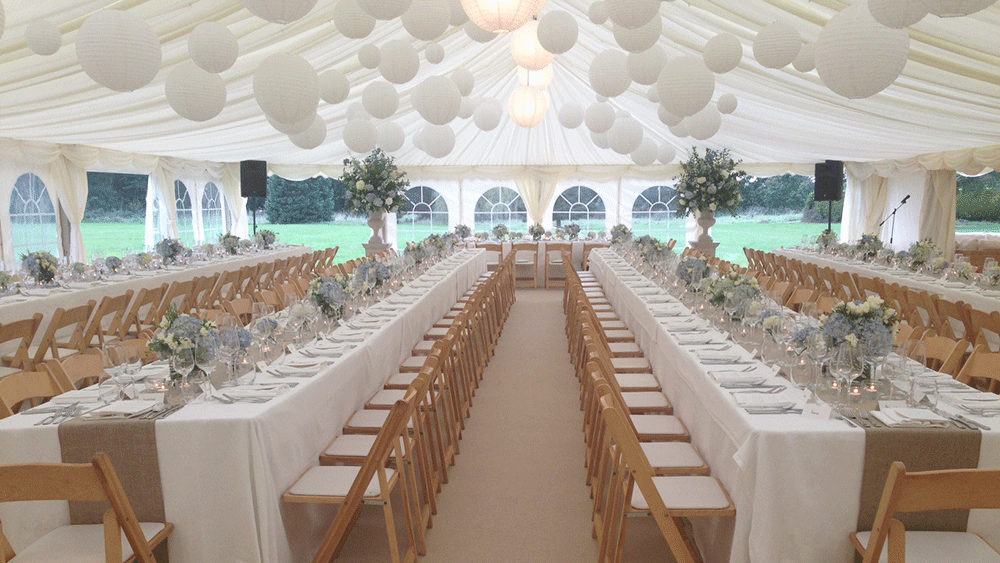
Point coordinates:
[(254, 212)]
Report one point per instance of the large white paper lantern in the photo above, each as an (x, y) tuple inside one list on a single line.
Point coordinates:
[(427, 19), (632, 13), (600, 140), (311, 137), (537, 78), (527, 51), (488, 113), (897, 14), (598, 12), (356, 111), (351, 21), (652, 95), (609, 73), (194, 93), (680, 130), (43, 36), (806, 60), (384, 9), (600, 117), (213, 47), (434, 53), (558, 31), (118, 50), (400, 62), (528, 105), (704, 124), (3, 19), (723, 53), (776, 45), (437, 140), (666, 153), (390, 136), (279, 11), (644, 68), (955, 8), (286, 87), (727, 103), (464, 79), (571, 115), (334, 87), (458, 15), (380, 99), (641, 38), (858, 57), (685, 85), (501, 16), (360, 135), (437, 99), (369, 55), (291, 128), (466, 108), (625, 135), (666, 117), (645, 155), (477, 34)]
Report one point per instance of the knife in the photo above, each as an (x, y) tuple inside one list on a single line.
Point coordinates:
[(972, 422)]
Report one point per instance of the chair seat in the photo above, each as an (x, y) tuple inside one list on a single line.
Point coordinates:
[(644, 399), (351, 445), (631, 365), (625, 349), (613, 325), (685, 492), (79, 544), (333, 481), (368, 421), (619, 335), (637, 382), (413, 364), (386, 398), (940, 547), (436, 333), (606, 315), (423, 348), (660, 427), (401, 380), (674, 458), (4, 370)]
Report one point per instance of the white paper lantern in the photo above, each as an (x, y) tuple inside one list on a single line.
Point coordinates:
[(464, 79), (390, 136), (369, 55), (645, 155), (501, 16), (955, 8), (600, 117), (571, 115), (632, 13), (641, 38), (351, 21), (666, 153), (537, 78), (856, 56), (644, 68), (600, 140), (356, 111), (466, 108), (400, 62), (727, 103), (652, 95), (685, 85), (680, 130), (384, 9), (279, 11), (458, 15), (897, 14), (558, 32), (334, 87), (776, 45), (311, 137), (437, 99), (625, 135), (528, 105), (195, 93), (291, 128), (704, 124), (526, 49), (360, 135), (477, 34), (488, 113), (609, 73), (43, 36), (438, 140), (427, 19), (667, 118), (723, 53), (434, 53), (806, 60), (380, 99), (118, 50), (3, 19), (213, 47), (600, 99), (598, 12), (286, 87)]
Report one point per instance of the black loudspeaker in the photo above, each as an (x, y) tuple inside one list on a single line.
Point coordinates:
[(253, 178), (829, 180)]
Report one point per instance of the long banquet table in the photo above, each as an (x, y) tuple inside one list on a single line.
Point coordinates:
[(795, 481), (224, 467)]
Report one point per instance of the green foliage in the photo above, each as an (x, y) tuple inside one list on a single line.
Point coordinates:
[(255, 203), (816, 211), (978, 198), (777, 194), (116, 197), (308, 201), (710, 183)]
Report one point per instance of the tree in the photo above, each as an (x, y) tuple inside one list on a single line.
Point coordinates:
[(978, 197), (116, 197), (777, 194), (308, 201)]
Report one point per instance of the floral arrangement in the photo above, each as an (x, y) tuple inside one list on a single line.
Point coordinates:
[(482, 235), (771, 321), (537, 231), (652, 250), (414, 250), (869, 246), (370, 274), (41, 265), (602, 235), (691, 268), (572, 231), (620, 234), (500, 232), (178, 332), (265, 238), (330, 294), (804, 336), (937, 264), (709, 183), (171, 249), (374, 184), (963, 270), (736, 286), (236, 337), (463, 231), (113, 263), (991, 276), (560, 233), (868, 325), (591, 235), (922, 252), (78, 268), (6, 281), (826, 239), (439, 242), (209, 249), (230, 242), (144, 259)]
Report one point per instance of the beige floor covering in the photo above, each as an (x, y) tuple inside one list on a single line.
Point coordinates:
[(517, 491)]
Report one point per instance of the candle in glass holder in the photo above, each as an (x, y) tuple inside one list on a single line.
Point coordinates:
[(854, 394), (157, 384), (870, 391)]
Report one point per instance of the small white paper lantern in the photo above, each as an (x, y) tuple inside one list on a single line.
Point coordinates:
[(369, 55), (311, 137), (334, 87), (434, 53), (609, 73), (427, 19), (390, 136), (279, 11), (704, 124), (43, 36), (488, 113), (291, 128), (727, 103), (458, 15), (380, 99), (466, 108), (600, 117), (501, 16), (528, 105), (400, 62), (645, 155), (598, 12), (600, 140), (118, 50), (537, 78), (955, 8), (777, 45), (666, 153), (806, 60), (477, 34), (667, 118), (680, 130), (858, 57), (437, 140), (3, 19), (464, 79), (213, 47), (360, 135), (723, 53), (351, 21), (897, 14), (526, 49), (625, 135), (685, 85), (437, 99), (644, 68), (356, 111), (558, 31), (641, 38), (571, 115), (286, 87), (652, 95), (194, 93), (632, 13), (384, 9)]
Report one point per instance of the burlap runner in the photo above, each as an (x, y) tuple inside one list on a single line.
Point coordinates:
[(131, 445)]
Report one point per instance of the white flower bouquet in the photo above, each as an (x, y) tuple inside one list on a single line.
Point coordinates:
[(374, 184), (709, 183)]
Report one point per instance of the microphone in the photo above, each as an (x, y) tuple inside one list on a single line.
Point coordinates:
[(904, 200)]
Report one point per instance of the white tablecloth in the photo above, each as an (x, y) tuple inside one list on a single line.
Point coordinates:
[(795, 481), (224, 467)]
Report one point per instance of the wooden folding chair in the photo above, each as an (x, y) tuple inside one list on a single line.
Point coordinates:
[(555, 263), (986, 328), (49, 346), (981, 366), (103, 329), (945, 354), (525, 263), (144, 313), (588, 247), (23, 332), (77, 371), (18, 387), (178, 295)]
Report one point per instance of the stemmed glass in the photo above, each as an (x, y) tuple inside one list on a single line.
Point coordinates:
[(208, 356), (817, 351), (229, 349), (843, 366), (182, 362), (112, 357)]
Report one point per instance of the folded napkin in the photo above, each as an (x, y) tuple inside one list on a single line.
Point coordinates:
[(35, 292), (736, 379), (690, 338), (118, 277), (75, 285), (910, 418), (955, 285), (764, 400), (122, 409), (347, 335), (682, 323), (720, 357), (147, 273), (972, 400), (658, 298), (88, 395), (292, 370), (256, 391), (300, 360)]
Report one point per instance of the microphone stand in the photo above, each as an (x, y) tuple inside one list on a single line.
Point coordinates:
[(892, 229)]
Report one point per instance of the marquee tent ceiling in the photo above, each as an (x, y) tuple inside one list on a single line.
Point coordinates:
[(945, 99)]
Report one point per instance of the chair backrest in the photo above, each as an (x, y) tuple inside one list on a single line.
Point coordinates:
[(982, 363), (221, 290), (589, 246), (23, 331), (986, 328), (69, 372), (954, 318), (115, 307), (178, 295), (201, 292), (241, 308), (23, 385), (945, 354), (75, 317), (145, 310)]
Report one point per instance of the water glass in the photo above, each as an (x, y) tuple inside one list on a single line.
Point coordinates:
[(924, 390)]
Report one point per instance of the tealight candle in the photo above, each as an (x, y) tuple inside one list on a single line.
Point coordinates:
[(854, 394)]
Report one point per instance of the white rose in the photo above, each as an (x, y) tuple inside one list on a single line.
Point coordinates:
[(388, 201), (712, 190), (360, 185), (682, 202), (701, 180), (712, 206), (852, 340)]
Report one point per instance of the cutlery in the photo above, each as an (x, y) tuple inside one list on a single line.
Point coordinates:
[(971, 422), (874, 421), (855, 417), (762, 389), (51, 418), (772, 410), (167, 412), (838, 416), (735, 370)]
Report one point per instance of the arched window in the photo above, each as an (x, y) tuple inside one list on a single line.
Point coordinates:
[(580, 205), (212, 213), (654, 213), (185, 217), (501, 206), (32, 217), (426, 212)]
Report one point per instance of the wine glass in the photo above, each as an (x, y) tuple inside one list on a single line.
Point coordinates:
[(182, 361), (208, 356), (113, 358), (229, 349), (843, 366)]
